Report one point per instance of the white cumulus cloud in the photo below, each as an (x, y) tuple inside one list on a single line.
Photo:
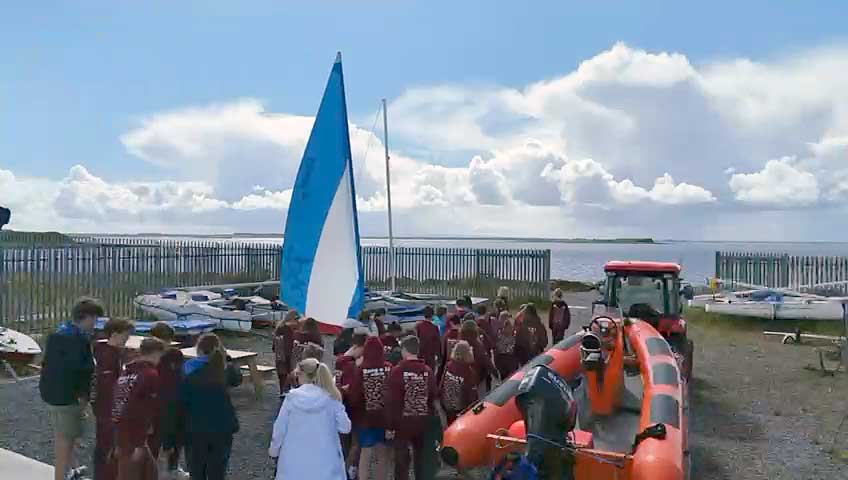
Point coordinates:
[(779, 184), (630, 142)]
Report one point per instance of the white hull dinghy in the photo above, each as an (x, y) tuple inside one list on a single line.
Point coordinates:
[(16, 347), (787, 310), (179, 305)]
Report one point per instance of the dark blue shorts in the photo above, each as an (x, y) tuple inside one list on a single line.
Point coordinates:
[(369, 437)]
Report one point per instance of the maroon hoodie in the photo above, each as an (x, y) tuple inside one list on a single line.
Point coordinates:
[(411, 391), (108, 363), (431, 342), (483, 365), (282, 345), (559, 319), (136, 403), (299, 341), (391, 347), (170, 371), (504, 338), (531, 340), (368, 387), (487, 334), (345, 369), (459, 387), (448, 342)]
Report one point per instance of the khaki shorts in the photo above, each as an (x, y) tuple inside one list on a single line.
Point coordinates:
[(67, 420)]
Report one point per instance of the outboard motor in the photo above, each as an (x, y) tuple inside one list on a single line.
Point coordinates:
[(550, 413)]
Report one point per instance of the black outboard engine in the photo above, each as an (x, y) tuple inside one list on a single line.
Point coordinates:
[(550, 413)]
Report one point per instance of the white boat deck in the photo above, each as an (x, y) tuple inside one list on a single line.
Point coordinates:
[(14, 466)]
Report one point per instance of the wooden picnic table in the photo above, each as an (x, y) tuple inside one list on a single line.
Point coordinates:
[(240, 358)]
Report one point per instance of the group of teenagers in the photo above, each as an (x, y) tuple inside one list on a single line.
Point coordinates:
[(393, 389), (147, 404), (385, 401)]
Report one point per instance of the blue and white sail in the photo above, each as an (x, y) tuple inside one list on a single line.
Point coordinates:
[(321, 272)]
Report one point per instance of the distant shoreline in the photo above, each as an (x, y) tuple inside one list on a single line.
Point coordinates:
[(280, 236)]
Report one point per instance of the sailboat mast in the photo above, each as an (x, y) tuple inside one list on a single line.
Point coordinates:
[(389, 199)]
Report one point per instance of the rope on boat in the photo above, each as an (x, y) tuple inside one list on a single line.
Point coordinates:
[(573, 449)]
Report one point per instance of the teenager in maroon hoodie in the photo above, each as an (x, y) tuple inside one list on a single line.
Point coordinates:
[(459, 383), (345, 370), (505, 360), (449, 340), (532, 336), (108, 358), (411, 397), (431, 342), (283, 343), (462, 308), (308, 333), (169, 432), (484, 322), (483, 366), (391, 343), (309, 351), (346, 362), (368, 405), (559, 316), (134, 412)]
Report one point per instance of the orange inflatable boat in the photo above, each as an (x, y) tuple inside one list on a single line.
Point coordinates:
[(631, 404)]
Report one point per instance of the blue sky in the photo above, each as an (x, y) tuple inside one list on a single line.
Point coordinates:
[(76, 76)]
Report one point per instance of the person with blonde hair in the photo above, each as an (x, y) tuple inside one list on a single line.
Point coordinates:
[(305, 440), (505, 331), (503, 294)]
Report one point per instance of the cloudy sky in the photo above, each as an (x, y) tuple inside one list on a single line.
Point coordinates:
[(726, 121)]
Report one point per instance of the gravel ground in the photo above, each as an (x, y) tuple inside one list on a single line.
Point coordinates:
[(758, 412)]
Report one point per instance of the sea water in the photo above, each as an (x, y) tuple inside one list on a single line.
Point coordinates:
[(584, 261)]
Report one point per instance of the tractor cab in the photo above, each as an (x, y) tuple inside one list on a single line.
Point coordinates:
[(652, 292)]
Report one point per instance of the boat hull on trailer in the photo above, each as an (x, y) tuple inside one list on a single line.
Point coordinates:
[(409, 307), (658, 392), (182, 328), (171, 306), (788, 310)]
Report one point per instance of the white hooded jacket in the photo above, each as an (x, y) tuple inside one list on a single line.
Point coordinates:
[(306, 436)]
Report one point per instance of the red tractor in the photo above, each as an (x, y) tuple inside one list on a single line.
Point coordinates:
[(652, 292)]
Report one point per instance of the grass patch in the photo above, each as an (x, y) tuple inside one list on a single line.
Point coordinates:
[(13, 239), (572, 286), (725, 323)]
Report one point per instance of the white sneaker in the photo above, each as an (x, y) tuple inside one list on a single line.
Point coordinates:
[(180, 474), (351, 472)]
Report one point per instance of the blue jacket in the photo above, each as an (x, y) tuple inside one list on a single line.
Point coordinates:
[(67, 367), (205, 402)]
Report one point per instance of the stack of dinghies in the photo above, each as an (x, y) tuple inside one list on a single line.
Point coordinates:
[(629, 401)]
